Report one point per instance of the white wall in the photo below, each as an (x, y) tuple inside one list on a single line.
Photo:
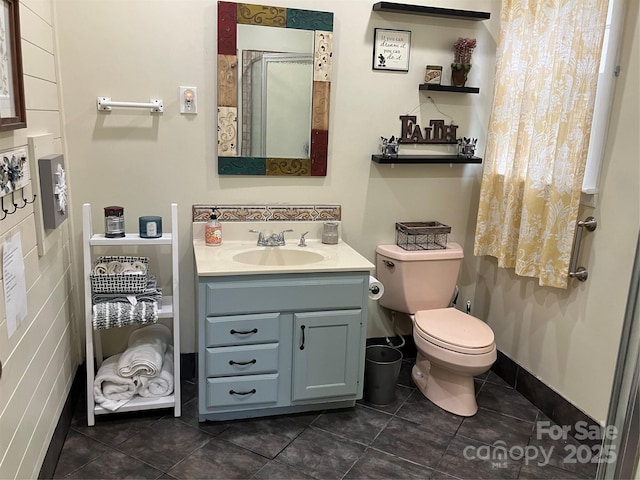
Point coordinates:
[(569, 339), (40, 359), (138, 49)]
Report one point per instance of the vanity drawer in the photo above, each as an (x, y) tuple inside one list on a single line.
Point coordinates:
[(238, 391), (280, 293), (242, 360), (242, 329)]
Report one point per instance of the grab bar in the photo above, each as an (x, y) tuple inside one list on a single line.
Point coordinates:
[(580, 273), (155, 104)]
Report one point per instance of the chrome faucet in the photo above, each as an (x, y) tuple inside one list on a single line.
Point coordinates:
[(273, 240), (303, 240)]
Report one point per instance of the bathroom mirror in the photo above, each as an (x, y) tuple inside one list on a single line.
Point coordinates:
[(276, 84), (274, 68)]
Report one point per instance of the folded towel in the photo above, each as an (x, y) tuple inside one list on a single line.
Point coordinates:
[(111, 390), (162, 384), (117, 314), (145, 353)]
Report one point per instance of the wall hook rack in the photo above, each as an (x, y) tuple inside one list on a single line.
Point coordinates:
[(25, 202), (105, 104)]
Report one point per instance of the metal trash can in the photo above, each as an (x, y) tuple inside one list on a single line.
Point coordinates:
[(381, 370)]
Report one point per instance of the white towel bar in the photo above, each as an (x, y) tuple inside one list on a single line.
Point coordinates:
[(155, 105)]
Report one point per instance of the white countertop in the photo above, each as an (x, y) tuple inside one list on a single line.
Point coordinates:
[(218, 260), (214, 261)]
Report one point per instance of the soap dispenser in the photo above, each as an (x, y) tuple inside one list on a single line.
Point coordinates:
[(213, 231)]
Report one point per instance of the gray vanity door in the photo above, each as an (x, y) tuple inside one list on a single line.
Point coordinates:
[(326, 354)]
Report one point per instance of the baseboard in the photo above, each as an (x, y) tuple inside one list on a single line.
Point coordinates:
[(50, 461), (550, 402)]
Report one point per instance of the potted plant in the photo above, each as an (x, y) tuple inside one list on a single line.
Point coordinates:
[(462, 50)]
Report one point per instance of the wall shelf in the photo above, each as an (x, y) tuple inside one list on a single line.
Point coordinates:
[(448, 88), (418, 159), (430, 11)]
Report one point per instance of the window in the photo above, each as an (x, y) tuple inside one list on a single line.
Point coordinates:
[(604, 98)]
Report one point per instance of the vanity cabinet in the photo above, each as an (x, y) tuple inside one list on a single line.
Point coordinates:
[(280, 343)]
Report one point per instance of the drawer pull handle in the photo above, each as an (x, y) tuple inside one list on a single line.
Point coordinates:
[(248, 332), (250, 362), (250, 392), (302, 327)]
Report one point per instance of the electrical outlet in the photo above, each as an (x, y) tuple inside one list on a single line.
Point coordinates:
[(188, 100)]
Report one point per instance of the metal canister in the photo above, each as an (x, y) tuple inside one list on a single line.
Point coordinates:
[(113, 222)]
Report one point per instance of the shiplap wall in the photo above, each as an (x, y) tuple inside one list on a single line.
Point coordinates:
[(39, 361)]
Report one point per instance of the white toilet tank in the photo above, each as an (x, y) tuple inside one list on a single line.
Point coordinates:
[(417, 280)]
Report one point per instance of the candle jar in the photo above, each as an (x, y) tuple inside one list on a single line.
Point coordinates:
[(113, 222), (330, 233), (150, 227)]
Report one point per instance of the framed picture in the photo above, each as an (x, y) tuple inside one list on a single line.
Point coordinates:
[(391, 49), (12, 107)]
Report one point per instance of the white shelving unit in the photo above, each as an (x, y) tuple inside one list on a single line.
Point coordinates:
[(169, 309)]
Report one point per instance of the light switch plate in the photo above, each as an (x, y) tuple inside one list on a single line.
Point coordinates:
[(188, 100)]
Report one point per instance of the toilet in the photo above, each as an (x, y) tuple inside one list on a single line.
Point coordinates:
[(452, 346)]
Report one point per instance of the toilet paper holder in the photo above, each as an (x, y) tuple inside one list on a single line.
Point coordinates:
[(376, 288)]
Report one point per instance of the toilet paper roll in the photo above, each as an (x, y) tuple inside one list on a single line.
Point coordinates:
[(376, 289)]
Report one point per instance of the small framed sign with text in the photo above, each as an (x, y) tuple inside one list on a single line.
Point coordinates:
[(391, 49)]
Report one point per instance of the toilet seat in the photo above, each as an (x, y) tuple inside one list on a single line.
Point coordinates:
[(451, 329)]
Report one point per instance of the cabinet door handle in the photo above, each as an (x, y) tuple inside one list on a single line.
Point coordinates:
[(250, 392), (246, 332), (302, 327), (250, 362)]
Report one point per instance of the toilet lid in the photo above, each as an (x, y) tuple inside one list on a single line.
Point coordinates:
[(451, 329)]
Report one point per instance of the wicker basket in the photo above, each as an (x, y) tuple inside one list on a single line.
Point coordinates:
[(119, 282), (422, 235)]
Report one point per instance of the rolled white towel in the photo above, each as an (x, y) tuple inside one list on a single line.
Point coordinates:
[(145, 353), (162, 384), (100, 269), (111, 390)]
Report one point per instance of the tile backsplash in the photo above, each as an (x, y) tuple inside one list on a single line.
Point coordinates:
[(266, 213)]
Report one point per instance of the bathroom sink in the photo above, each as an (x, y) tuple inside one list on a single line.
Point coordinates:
[(239, 254), (276, 257)]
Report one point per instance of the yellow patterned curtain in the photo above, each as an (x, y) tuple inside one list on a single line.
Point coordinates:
[(547, 67)]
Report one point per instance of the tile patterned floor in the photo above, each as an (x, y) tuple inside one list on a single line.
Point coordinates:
[(411, 438)]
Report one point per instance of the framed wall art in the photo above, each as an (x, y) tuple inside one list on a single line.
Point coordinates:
[(391, 49), (12, 106)]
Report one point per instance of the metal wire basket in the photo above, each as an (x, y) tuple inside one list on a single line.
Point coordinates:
[(422, 235)]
